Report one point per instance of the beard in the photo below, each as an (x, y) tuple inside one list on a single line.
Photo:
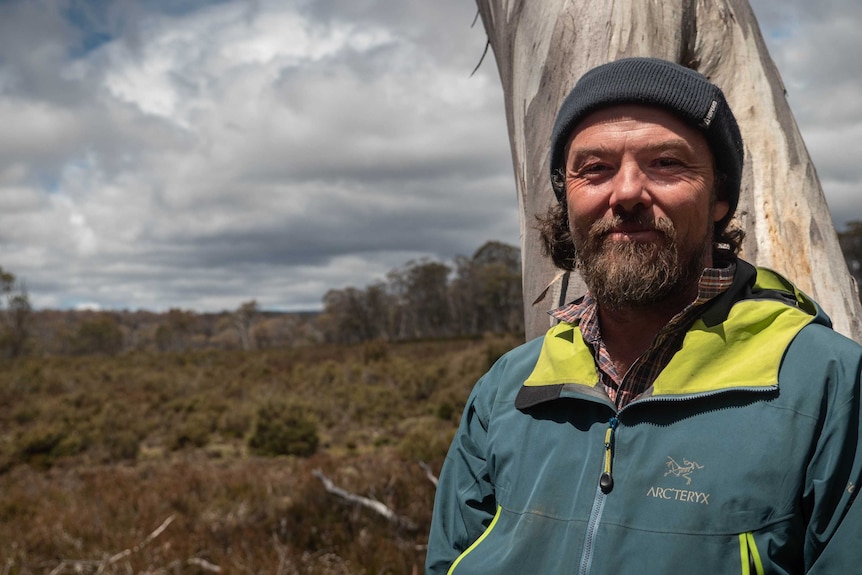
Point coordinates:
[(630, 274)]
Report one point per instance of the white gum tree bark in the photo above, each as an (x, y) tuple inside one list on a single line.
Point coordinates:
[(543, 46)]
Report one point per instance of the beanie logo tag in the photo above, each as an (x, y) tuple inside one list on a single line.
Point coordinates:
[(710, 114)]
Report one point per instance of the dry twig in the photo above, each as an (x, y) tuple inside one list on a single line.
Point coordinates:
[(204, 564), (428, 473), (372, 504)]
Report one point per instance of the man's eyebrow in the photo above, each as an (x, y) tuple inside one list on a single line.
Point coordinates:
[(599, 150), (671, 144), (679, 144)]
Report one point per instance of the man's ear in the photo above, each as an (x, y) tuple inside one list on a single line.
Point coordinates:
[(720, 209), (720, 205)]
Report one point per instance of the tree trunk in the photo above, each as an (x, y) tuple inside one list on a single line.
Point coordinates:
[(543, 47)]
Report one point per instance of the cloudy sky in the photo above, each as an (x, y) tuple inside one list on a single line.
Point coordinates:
[(199, 154)]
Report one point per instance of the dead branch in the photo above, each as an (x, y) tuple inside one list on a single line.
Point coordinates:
[(75, 566), (283, 559), (158, 531), (372, 504), (428, 473), (204, 564), (482, 59)]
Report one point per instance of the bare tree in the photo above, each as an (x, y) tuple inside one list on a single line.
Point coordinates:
[(542, 48), (17, 314), (851, 245), (175, 331), (420, 289), (243, 319), (485, 294)]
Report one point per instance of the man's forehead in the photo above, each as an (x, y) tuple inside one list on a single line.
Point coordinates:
[(610, 118), (635, 112)]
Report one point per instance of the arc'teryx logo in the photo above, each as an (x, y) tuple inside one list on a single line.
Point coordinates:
[(685, 470)]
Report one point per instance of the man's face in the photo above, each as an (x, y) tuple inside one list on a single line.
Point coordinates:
[(639, 188)]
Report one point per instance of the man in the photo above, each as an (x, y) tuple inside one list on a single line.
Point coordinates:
[(690, 413)]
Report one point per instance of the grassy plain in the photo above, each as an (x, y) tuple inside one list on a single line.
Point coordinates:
[(163, 463)]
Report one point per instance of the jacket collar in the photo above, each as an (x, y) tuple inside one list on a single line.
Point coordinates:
[(738, 342)]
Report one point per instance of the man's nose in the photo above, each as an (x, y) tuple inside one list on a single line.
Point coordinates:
[(630, 190)]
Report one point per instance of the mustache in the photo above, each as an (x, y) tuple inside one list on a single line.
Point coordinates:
[(605, 226)]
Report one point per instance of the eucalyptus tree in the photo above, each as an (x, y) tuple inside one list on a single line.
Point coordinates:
[(541, 49), (17, 314)]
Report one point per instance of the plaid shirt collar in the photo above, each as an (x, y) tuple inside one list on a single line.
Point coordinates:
[(623, 388)]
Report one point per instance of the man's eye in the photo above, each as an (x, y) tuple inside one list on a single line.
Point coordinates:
[(596, 168), (668, 162)]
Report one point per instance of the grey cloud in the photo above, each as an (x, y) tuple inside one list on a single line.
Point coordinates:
[(339, 227)]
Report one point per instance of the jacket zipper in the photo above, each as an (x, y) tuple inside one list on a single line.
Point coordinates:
[(477, 541), (592, 526), (699, 395), (606, 484)]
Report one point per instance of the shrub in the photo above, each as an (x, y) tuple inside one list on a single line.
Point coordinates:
[(100, 335), (374, 351), (496, 347), (194, 432), (41, 441), (283, 429), (445, 411), (424, 440), (122, 445), (43, 445), (235, 422)]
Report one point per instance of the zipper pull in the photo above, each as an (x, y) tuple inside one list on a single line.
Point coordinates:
[(606, 483)]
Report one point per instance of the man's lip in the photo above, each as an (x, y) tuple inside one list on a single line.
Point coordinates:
[(631, 227), (632, 233)]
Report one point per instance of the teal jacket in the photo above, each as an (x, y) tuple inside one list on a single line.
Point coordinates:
[(743, 456)]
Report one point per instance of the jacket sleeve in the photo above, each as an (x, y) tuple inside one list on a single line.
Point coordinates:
[(833, 540), (465, 502)]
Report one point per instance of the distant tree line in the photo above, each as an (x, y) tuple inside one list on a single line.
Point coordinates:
[(429, 299), (425, 299), (851, 246), (90, 332), (25, 331)]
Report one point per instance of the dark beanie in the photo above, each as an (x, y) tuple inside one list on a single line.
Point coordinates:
[(652, 82)]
